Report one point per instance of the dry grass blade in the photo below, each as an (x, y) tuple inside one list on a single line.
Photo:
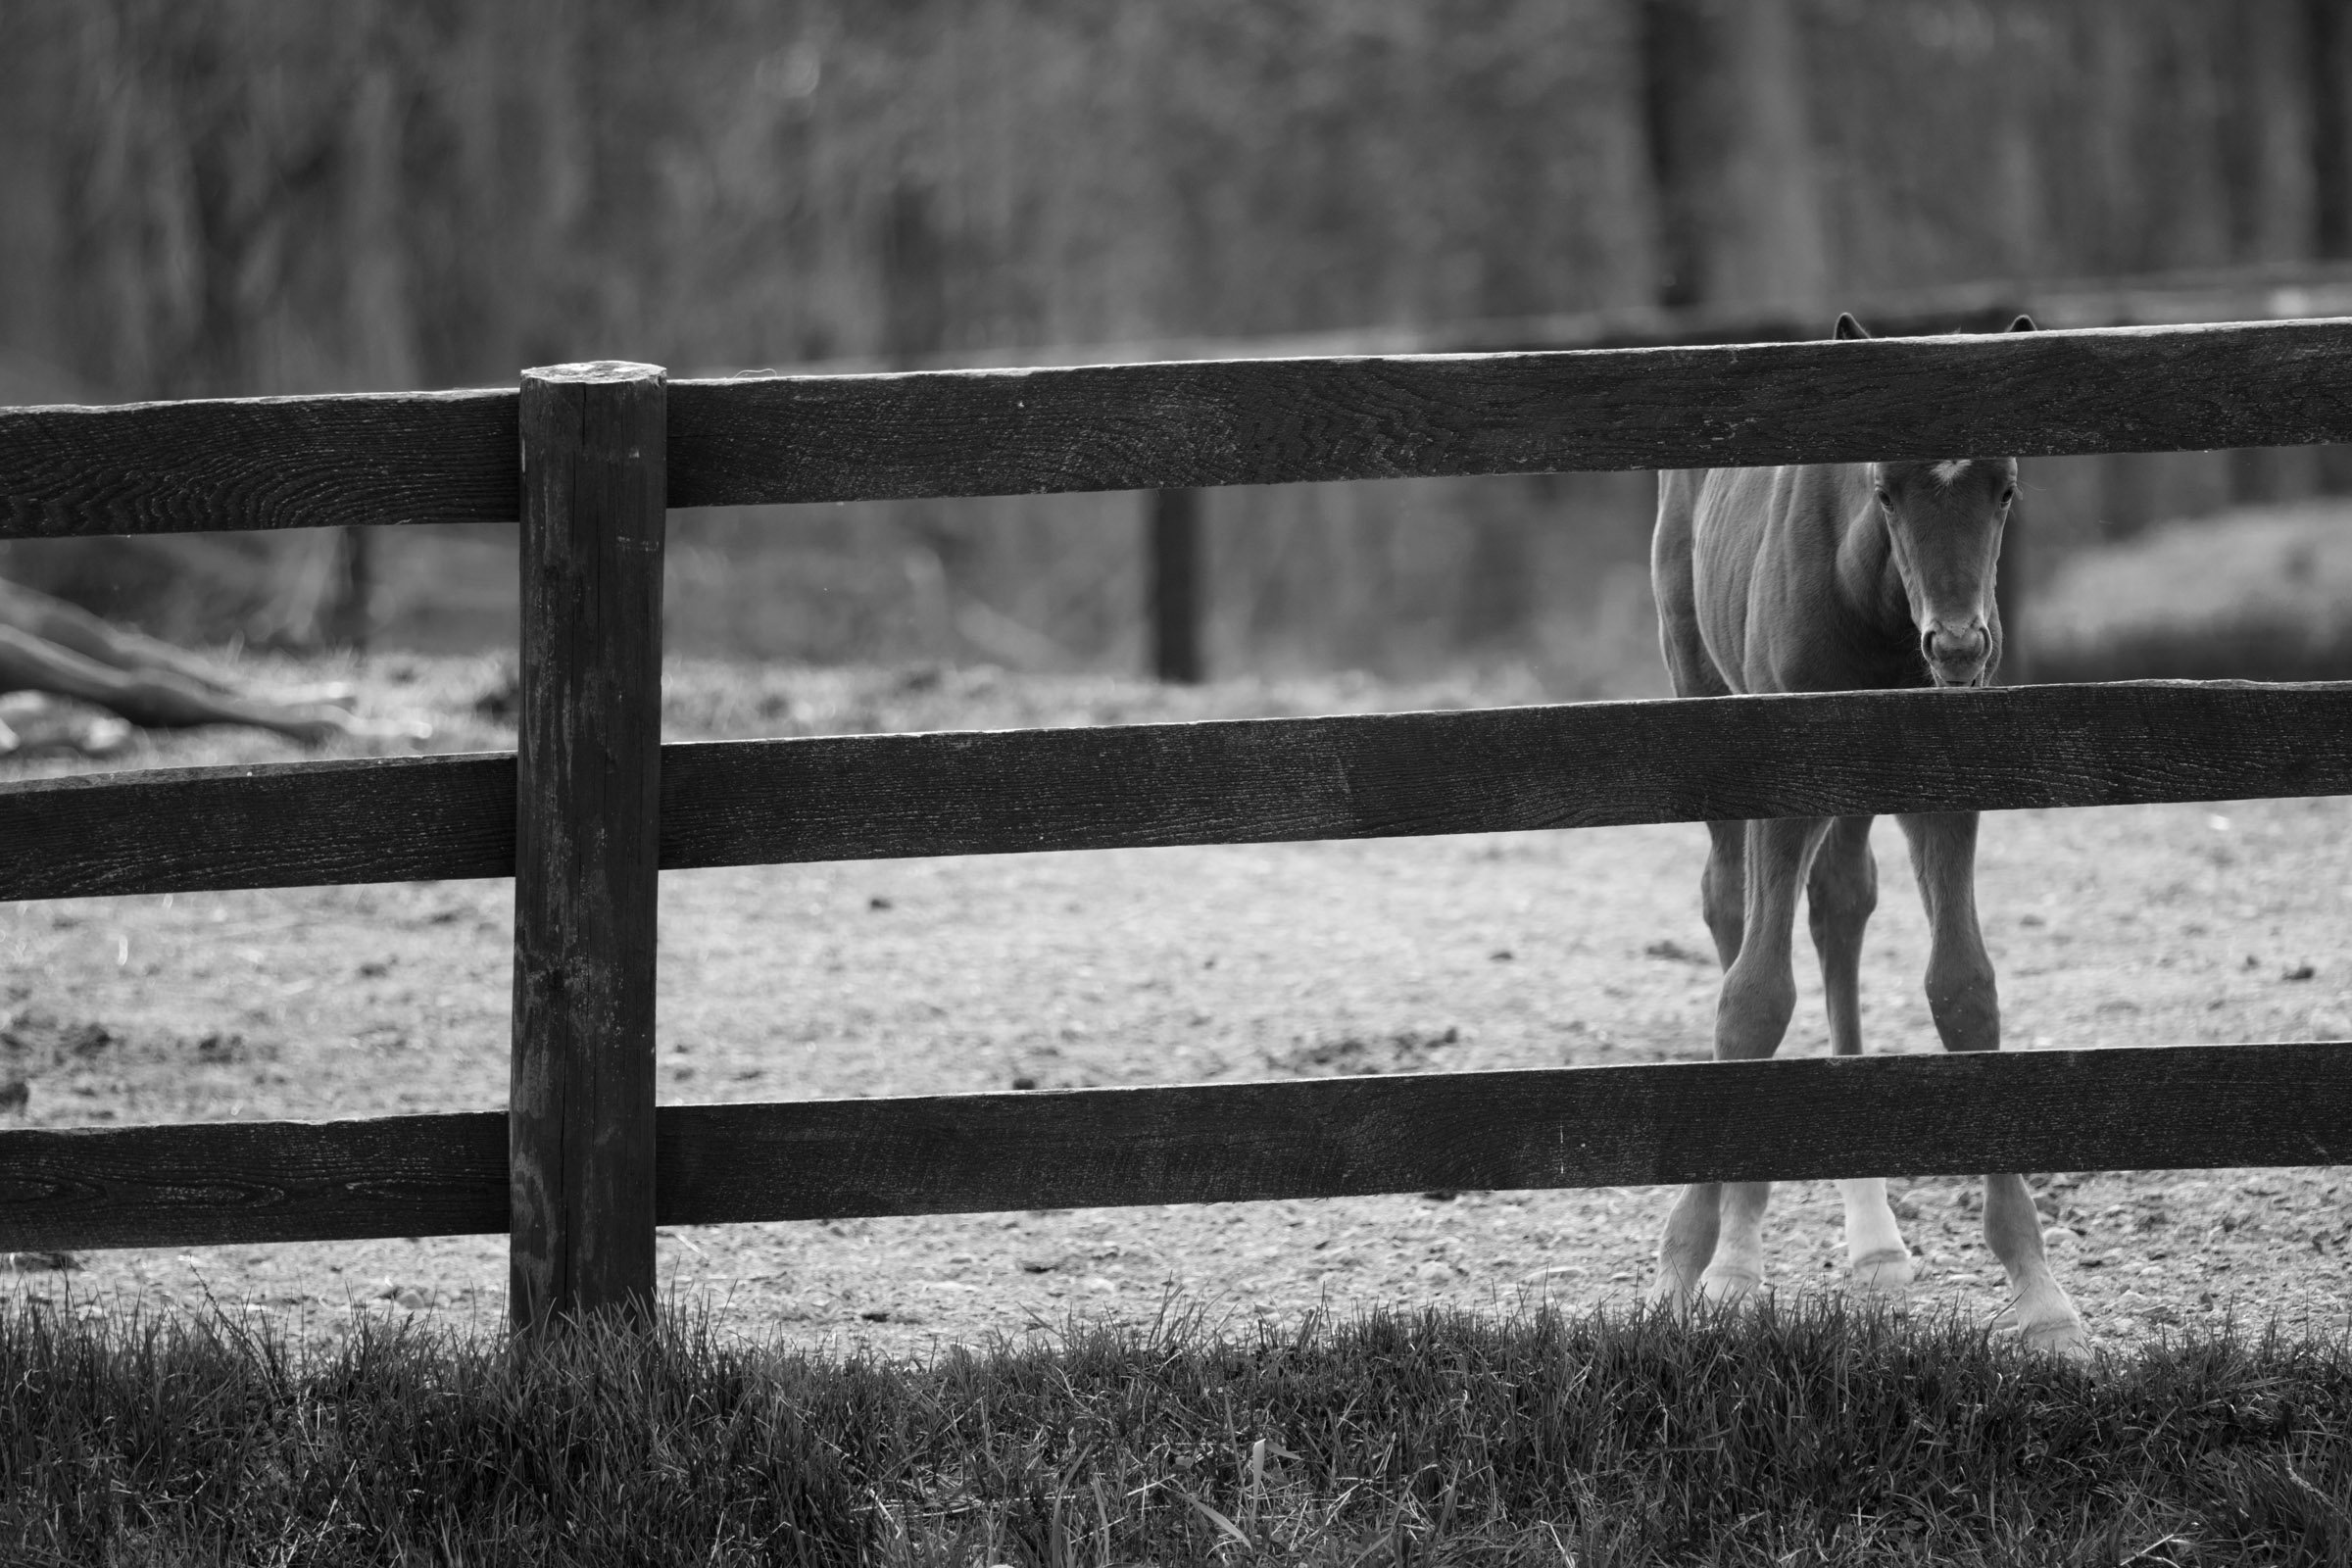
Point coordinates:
[(1216, 1519)]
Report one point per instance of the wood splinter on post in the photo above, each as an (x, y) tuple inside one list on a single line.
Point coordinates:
[(587, 829)]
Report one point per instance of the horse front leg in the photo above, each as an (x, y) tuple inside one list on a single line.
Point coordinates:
[(1839, 897), (1723, 888), (1688, 1242), (1966, 1007), (1717, 1229)]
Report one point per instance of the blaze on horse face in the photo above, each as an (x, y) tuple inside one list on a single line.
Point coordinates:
[(1943, 524), (1944, 539)]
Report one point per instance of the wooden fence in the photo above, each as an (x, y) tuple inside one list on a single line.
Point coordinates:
[(589, 805)]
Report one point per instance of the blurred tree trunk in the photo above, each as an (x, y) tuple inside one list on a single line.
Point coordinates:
[(915, 274), (913, 263), (1515, 529), (1732, 149), (2271, 132), (382, 331), (2327, 57)]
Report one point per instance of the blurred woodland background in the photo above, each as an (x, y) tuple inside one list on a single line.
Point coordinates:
[(214, 197)]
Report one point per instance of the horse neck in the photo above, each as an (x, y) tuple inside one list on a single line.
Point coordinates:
[(1867, 585)]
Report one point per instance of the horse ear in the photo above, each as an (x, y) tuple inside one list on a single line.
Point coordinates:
[(2023, 323), (1848, 327)]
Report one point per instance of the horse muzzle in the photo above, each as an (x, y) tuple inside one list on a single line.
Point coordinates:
[(1956, 656)]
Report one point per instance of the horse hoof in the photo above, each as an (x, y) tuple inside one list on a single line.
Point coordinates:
[(1729, 1286), (1887, 1272), (1669, 1295), (2064, 1338)]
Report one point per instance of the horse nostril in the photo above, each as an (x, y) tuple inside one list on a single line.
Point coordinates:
[(1945, 645)]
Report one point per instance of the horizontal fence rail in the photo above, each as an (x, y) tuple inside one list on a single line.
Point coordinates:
[(2178, 1107), (216, 464), (1278, 421), (449, 456), (1254, 781)]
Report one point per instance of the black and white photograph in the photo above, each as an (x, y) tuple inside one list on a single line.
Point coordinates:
[(1085, 783)]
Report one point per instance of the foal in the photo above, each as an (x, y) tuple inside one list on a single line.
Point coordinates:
[(1833, 578)]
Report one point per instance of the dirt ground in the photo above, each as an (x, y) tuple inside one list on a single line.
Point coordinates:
[(2161, 924)]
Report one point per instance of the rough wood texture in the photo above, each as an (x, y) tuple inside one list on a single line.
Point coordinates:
[(1176, 597), (207, 1184), (873, 797), (446, 457), (2181, 1108), (1270, 421), (586, 801), (259, 463), (1588, 764), (271, 825)]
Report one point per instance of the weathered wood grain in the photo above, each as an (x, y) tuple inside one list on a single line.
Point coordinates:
[(587, 797), (1591, 764), (872, 797), (1271, 422), (2181, 1108), (207, 1184), (267, 826), (259, 463), (448, 456)]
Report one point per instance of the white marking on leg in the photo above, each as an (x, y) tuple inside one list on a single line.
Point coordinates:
[(1869, 1218), (1738, 1267), (1874, 1243)]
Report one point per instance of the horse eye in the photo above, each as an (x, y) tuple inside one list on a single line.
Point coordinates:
[(1886, 500), (2008, 496)]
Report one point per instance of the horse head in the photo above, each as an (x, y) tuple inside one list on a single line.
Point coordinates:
[(1943, 524)]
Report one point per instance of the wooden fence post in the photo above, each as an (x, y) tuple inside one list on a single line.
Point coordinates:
[(1175, 587), (580, 1119)]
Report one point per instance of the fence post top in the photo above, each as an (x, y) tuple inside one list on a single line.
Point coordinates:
[(596, 371)]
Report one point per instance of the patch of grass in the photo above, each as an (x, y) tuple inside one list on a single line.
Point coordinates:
[(1805, 1433)]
